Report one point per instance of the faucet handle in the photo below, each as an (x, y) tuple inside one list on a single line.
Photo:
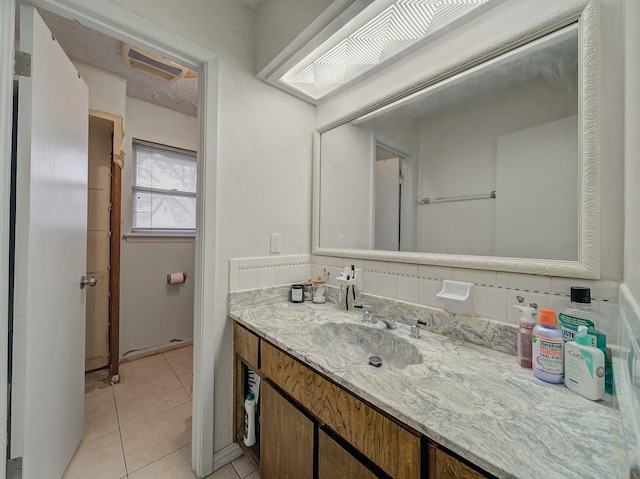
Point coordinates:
[(415, 327), (366, 311)]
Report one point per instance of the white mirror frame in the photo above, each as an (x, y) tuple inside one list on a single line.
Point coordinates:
[(587, 13)]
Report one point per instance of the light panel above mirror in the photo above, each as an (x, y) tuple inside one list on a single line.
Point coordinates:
[(382, 32)]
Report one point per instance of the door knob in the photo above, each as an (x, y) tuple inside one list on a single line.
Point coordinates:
[(84, 281)]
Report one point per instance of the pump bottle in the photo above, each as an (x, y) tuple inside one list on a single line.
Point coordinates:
[(584, 366)]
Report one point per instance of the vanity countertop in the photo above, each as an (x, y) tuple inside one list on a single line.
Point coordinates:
[(477, 402)]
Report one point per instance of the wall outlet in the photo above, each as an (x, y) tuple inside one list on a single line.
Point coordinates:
[(275, 243)]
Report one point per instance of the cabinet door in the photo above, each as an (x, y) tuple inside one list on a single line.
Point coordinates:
[(335, 462), (286, 438), (391, 447), (445, 466)]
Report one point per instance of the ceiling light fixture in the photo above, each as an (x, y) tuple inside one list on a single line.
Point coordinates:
[(380, 32)]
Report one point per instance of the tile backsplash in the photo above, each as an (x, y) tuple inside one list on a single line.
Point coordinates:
[(495, 291)]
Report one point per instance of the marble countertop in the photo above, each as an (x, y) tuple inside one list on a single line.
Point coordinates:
[(475, 401)]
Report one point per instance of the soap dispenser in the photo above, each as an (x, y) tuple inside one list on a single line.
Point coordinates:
[(584, 366)]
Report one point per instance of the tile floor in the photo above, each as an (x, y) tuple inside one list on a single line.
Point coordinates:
[(140, 428)]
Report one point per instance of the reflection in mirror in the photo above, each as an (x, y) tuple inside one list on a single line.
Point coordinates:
[(418, 175)]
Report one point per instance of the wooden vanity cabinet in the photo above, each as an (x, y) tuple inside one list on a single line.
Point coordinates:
[(391, 447), (309, 427)]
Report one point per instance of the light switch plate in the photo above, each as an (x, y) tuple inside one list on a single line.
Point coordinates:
[(275, 243)]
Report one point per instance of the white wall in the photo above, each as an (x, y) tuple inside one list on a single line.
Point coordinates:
[(264, 160), (347, 208), (107, 91), (152, 313), (278, 22), (632, 149), (537, 213)]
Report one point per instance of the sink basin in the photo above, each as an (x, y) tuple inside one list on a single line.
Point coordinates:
[(352, 344)]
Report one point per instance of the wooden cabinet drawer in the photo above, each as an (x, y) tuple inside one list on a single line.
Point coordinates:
[(394, 449), (247, 346)]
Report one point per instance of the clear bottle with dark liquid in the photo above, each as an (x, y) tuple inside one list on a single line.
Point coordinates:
[(525, 332)]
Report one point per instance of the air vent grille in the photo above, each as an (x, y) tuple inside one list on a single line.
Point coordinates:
[(154, 64)]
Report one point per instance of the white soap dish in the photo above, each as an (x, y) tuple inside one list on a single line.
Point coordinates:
[(457, 296)]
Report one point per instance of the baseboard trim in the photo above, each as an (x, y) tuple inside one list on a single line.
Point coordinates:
[(152, 351), (225, 455)]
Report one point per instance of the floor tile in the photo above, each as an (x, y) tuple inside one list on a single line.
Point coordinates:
[(243, 467), (153, 438), (101, 458), (176, 465), (187, 382), (142, 373), (253, 475), (100, 418), (181, 360), (99, 394), (143, 403), (227, 472)]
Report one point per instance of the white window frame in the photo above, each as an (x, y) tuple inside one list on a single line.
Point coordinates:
[(182, 232)]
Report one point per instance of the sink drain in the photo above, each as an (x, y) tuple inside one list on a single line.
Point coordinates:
[(375, 361)]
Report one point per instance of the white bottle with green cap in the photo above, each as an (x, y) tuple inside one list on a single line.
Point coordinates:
[(584, 366), (250, 420)]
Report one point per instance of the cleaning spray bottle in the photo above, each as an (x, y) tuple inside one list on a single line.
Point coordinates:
[(525, 332)]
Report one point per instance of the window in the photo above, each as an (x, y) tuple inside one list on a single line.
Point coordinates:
[(163, 189)]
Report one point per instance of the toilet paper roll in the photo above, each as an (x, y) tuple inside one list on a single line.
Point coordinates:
[(176, 278)]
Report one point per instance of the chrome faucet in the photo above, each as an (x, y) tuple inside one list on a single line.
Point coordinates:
[(389, 323), (367, 317)]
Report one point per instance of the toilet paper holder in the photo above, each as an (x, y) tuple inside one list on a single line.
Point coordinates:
[(176, 278)]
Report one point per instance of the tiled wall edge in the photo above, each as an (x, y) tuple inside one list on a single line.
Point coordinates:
[(265, 271), (267, 261), (626, 365)]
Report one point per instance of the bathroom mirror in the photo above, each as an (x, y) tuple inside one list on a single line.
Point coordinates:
[(491, 163)]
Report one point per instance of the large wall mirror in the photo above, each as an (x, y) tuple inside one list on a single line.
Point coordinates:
[(490, 163)]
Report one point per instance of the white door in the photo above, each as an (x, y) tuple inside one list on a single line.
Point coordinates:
[(387, 204), (50, 257)]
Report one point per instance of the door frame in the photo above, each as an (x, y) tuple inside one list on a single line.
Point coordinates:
[(409, 189), (125, 25), (115, 195), (7, 32)]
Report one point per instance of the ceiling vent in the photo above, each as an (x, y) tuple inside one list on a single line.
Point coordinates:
[(155, 65)]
